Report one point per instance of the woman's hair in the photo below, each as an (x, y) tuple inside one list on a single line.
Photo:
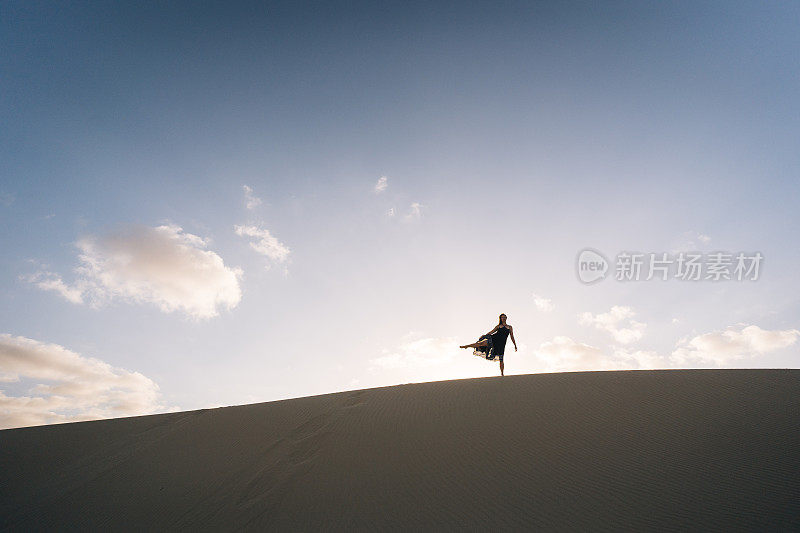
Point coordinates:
[(500, 320)]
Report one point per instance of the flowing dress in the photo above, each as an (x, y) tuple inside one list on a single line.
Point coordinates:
[(496, 347)]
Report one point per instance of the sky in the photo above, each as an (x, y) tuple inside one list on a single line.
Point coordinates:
[(219, 203)]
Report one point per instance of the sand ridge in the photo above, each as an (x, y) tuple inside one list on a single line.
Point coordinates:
[(600, 451)]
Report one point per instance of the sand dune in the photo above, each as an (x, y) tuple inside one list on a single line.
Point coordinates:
[(597, 451)]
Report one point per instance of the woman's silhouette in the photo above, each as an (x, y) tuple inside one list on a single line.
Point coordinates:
[(493, 344)]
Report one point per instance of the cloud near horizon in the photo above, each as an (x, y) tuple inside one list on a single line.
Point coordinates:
[(418, 359), (69, 387), (735, 342), (162, 265), (564, 354), (720, 348), (415, 352), (431, 358)]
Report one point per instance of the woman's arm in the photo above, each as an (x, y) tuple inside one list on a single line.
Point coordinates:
[(495, 329), (511, 331)]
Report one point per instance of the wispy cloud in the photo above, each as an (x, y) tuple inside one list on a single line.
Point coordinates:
[(264, 243), (251, 201), (542, 304), (162, 265), (50, 281), (381, 185), (418, 358), (418, 352), (618, 322), (564, 354), (71, 387), (414, 211)]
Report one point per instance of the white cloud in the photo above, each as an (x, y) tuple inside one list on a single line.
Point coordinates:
[(720, 348), (414, 211), (542, 304), (264, 243), (382, 184), (639, 359), (50, 281), (735, 342), (251, 201), (564, 354), (618, 322), (418, 358), (163, 266), (71, 387)]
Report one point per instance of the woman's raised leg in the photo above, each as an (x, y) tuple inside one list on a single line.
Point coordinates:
[(484, 342)]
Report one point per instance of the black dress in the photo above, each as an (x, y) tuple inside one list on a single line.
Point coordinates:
[(496, 347)]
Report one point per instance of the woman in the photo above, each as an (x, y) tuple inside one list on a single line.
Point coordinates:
[(493, 344)]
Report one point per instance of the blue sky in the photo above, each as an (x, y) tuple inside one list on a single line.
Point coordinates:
[(511, 135)]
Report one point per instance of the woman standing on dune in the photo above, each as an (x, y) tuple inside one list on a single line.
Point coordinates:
[(493, 344)]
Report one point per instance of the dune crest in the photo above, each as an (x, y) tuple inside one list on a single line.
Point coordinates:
[(640, 450)]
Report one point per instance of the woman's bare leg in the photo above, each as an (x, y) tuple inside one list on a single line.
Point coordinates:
[(502, 368), (484, 342)]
